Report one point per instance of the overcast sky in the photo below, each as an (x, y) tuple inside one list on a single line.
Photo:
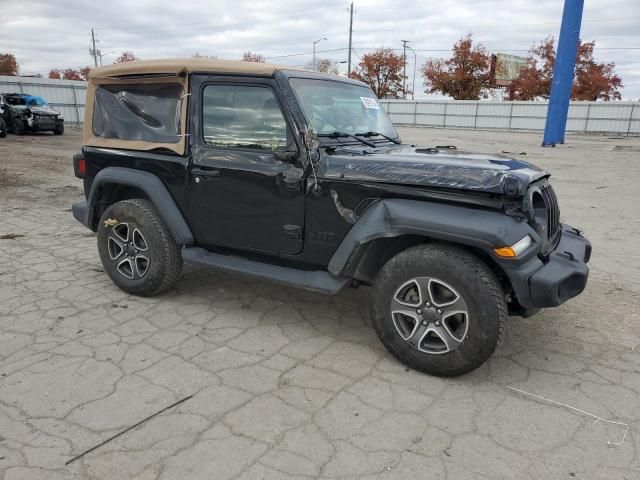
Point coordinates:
[(46, 34)]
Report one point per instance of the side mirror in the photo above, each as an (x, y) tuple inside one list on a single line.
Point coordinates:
[(286, 155)]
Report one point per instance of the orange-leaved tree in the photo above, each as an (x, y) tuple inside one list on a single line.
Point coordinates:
[(126, 56), (84, 72), (464, 76), (70, 73), (592, 81), (8, 64), (383, 71)]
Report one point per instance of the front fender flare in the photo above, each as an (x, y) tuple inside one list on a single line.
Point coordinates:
[(153, 187), (478, 228)]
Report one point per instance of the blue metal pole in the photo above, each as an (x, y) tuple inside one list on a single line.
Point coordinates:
[(563, 73)]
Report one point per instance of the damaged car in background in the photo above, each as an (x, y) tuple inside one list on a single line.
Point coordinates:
[(300, 178), (28, 113)]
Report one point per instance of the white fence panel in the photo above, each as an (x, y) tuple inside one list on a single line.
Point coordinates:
[(68, 97), (584, 117)]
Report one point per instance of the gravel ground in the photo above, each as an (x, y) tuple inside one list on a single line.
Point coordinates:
[(289, 384)]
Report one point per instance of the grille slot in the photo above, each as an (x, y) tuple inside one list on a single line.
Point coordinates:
[(553, 213)]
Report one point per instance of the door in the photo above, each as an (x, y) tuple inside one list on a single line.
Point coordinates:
[(244, 194)]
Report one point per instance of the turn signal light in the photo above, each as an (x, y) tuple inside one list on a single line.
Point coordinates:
[(514, 250), (505, 252)]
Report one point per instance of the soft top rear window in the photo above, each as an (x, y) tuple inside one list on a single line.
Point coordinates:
[(138, 112)]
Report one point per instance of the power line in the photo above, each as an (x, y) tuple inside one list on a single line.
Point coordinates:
[(238, 21)]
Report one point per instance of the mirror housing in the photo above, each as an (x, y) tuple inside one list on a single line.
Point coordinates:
[(286, 155)]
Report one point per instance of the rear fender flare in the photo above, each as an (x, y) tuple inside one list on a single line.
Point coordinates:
[(153, 187)]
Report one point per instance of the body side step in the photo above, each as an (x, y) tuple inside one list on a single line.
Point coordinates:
[(317, 281)]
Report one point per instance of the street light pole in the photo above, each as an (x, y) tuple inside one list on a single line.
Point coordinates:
[(415, 63), (314, 51)]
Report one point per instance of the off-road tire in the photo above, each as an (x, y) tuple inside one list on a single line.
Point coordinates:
[(3, 128), (471, 279), (18, 126), (164, 265), (59, 130)]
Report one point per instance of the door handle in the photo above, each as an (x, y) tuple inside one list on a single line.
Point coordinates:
[(205, 173)]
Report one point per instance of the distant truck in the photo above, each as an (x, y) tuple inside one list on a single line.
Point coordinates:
[(28, 113)]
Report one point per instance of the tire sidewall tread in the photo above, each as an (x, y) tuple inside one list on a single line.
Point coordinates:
[(471, 278), (165, 258)]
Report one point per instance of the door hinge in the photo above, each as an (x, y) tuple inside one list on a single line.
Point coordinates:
[(293, 231)]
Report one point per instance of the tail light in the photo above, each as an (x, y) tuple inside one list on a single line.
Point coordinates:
[(79, 166)]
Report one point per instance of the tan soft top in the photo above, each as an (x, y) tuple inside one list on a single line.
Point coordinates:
[(176, 66)]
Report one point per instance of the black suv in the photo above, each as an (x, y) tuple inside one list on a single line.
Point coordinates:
[(300, 178), (28, 113)]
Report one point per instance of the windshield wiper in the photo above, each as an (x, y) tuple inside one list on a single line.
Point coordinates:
[(374, 134), (344, 134)]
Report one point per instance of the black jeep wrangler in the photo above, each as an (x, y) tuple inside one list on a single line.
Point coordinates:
[(300, 178)]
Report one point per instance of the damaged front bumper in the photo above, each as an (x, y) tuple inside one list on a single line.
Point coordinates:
[(549, 282)]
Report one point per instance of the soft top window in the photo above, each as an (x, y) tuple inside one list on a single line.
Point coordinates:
[(138, 112)]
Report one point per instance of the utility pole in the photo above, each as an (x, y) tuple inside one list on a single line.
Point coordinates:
[(93, 51), (350, 37), (404, 66)]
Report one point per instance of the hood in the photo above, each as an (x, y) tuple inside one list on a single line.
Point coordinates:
[(403, 165), (45, 111)]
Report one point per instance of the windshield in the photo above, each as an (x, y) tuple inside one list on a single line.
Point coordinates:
[(331, 106), (15, 101), (37, 102)]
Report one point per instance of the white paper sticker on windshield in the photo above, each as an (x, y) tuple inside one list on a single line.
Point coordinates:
[(370, 103)]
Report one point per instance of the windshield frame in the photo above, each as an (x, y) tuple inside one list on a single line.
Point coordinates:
[(324, 138)]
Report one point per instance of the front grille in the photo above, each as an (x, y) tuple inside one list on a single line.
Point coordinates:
[(553, 214)]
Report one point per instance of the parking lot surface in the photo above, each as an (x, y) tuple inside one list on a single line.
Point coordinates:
[(288, 384)]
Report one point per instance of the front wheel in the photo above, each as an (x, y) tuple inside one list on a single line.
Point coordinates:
[(59, 130), (438, 309), (136, 248), (18, 126), (3, 128)]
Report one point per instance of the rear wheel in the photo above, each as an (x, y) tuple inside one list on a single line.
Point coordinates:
[(136, 248), (3, 128), (438, 309)]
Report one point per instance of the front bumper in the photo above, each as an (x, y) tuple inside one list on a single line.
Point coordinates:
[(43, 122), (556, 279)]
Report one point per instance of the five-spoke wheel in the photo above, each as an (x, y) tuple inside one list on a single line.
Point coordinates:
[(430, 315), (136, 248), (128, 249), (438, 309)]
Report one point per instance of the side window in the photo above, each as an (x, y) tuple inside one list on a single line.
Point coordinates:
[(241, 116)]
